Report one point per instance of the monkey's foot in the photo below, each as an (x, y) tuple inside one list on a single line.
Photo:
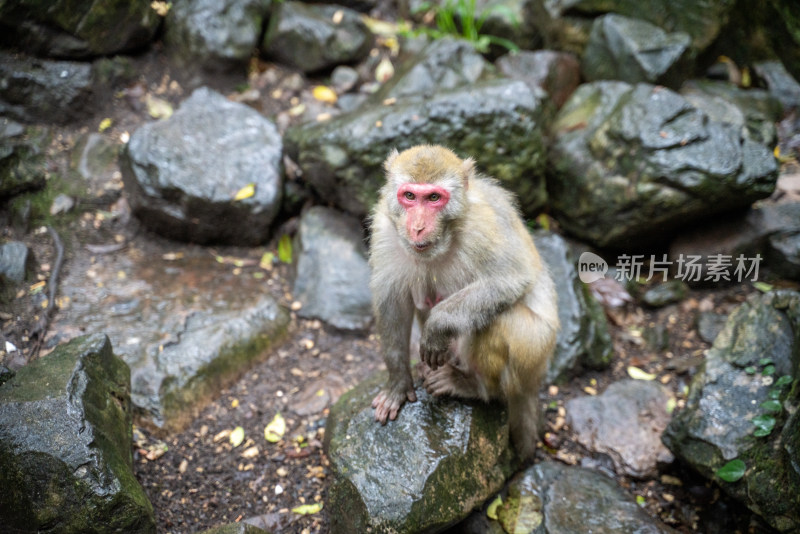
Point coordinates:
[(440, 381), (449, 380), (388, 402)]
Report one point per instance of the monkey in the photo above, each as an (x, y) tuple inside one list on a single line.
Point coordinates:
[(450, 250)]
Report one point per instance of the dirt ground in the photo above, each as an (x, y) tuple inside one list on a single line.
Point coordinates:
[(197, 479)]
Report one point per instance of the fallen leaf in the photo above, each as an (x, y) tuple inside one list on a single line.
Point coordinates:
[(491, 511), (105, 124), (266, 261), (275, 430), (237, 436), (246, 192), (638, 374), (306, 509), (325, 94), (158, 108), (297, 110), (763, 286)]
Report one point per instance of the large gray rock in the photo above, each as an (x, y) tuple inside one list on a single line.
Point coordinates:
[(22, 160), (625, 422), (77, 29), (332, 277), (443, 64), (557, 73), (65, 445), (215, 35), (41, 90), (182, 174), (428, 469), (583, 340), (187, 327), (15, 261), (315, 37), (744, 404), (755, 111), (566, 24), (632, 163), (499, 122), (632, 50), (780, 83), (552, 498)]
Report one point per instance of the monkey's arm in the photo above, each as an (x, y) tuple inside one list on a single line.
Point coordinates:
[(476, 305), (394, 317)]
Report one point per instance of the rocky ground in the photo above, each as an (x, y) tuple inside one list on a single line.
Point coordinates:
[(197, 479)]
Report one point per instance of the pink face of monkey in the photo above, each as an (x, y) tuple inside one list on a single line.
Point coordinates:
[(422, 203)]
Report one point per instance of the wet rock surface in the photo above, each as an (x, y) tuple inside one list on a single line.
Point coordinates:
[(421, 472), (313, 37), (213, 35), (21, 157), (65, 434), (45, 90), (77, 30), (173, 171), (626, 423), (686, 166), (584, 339), (632, 50), (743, 405), (186, 326), (331, 269), (595, 503)]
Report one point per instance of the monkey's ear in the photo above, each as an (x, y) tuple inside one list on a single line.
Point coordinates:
[(390, 159), (467, 170)]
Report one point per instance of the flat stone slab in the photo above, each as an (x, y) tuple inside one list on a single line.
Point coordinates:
[(186, 327)]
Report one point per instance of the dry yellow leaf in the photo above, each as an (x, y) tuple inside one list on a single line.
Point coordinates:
[(638, 374), (105, 124), (325, 94), (274, 431), (158, 108), (306, 509), (237, 436), (246, 192)]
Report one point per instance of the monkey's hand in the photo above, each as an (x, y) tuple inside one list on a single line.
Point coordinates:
[(434, 348), (388, 402)]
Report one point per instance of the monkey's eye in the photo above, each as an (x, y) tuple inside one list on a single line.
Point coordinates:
[(434, 197), (409, 195)]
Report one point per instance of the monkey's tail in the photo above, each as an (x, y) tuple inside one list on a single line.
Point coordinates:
[(525, 424)]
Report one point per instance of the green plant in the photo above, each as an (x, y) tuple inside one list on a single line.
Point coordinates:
[(461, 18)]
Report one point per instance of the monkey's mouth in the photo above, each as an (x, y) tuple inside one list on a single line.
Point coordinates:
[(421, 247)]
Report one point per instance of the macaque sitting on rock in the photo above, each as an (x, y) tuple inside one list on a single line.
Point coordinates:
[(450, 248)]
